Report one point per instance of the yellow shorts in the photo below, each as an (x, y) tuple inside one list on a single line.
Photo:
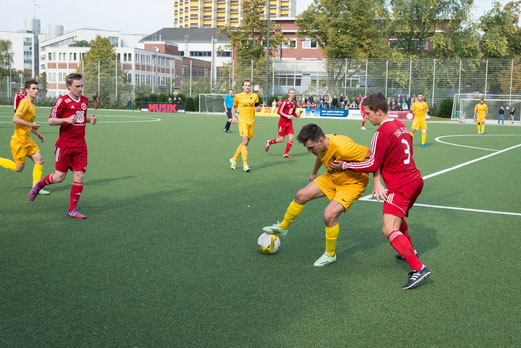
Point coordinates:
[(22, 150), (480, 119), (346, 195), (246, 129), (419, 123)]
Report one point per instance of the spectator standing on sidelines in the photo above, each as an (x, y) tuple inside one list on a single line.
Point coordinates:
[(70, 113), (228, 105), (501, 115), (512, 114), (18, 97)]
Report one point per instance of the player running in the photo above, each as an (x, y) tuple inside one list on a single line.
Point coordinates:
[(391, 158), (480, 115), (362, 112), (418, 109), (22, 146), (342, 188), (287, 112), (246, 103), (70, 113)]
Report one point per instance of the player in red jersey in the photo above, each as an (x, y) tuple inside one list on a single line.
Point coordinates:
[(362, 112), (70, 113), (287, 112), (18, 97), (391, 157)]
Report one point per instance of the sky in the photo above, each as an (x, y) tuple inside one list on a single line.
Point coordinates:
[(127, 16)]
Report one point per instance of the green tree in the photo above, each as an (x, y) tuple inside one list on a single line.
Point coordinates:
[(81, 43), (6, 57), (249, 40), (42, 81), (102, 51), (414, 24), (501, 32)]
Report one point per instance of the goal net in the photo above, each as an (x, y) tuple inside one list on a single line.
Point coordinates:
[(211, 102), (464, 105)]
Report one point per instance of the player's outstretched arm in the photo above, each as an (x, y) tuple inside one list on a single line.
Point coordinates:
[(19, 121), (234, 110), (38, 134), (379, 190), (316, 167)]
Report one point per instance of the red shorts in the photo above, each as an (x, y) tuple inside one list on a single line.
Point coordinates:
[(399, 202), (73, 158), (285, 127)]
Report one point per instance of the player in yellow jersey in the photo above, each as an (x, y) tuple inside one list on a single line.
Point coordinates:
[(246, 103), (342, 188), (418, 109), (22, 146), (480, 115)]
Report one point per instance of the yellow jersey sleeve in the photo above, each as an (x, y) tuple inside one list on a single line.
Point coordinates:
[(235, 101), (23, 108)]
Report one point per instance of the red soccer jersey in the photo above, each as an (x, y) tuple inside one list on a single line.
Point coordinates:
[(391, 151), (18, 98), (287, 109), (71, 135)]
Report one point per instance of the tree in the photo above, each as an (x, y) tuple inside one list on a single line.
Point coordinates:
[(6, 57), (81, 43), (102, 50), (415, 23), (501, 32), (248, 40), (42, 81)]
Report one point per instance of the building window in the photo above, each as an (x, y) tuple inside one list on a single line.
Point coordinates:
[(49, 56), (224, 54), (308, 43), (200, 54), (114, 40), (292, 43)]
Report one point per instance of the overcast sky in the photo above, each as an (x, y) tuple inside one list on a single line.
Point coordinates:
[(127, 16)]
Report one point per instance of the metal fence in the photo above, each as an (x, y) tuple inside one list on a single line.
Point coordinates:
[(437, 79)]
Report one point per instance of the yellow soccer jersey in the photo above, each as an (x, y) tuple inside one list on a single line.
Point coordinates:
[(246, 106), (345, 149), (481, 109), (419, 109), (27, 112)]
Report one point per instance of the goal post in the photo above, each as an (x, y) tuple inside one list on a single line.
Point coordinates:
[(210, 102), (465, 103)]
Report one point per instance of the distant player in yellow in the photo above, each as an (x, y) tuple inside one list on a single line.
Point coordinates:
[(480, 115), (246, 103), (342, 188), (22, 146), (418, 109)]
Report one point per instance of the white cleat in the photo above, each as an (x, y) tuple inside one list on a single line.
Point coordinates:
[(233, 164), (275, 229), (325, 260), (43, 192), (363, 128)]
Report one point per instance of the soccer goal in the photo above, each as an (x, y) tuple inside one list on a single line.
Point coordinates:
[(211, 102), (464, 105)]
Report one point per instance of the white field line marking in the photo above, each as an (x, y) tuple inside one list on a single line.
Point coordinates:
[(472, 135), (143, 119)]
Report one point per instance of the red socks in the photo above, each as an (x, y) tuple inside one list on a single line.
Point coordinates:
[(46, 181), (273, 141), (405, 230), (288, 146), (401, 244), (76, 190), (363, 122)]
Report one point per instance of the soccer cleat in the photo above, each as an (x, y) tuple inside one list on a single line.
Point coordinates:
[(246, 169), (227, 131), (233, 164), (43, 192), (423, 145), (415, 277), (275, 229), (287, 155), (76, 214), (363, 128), (325, 260), (34, 192), (399, 257), (267, 147)]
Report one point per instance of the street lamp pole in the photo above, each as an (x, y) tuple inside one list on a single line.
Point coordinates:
[(266, 91), (155, 68)]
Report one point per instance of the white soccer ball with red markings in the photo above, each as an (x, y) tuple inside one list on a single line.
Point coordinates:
[(268, 243), (409, 116)]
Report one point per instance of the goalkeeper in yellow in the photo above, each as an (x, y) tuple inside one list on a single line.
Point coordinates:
[(480, 115), (22, 146), (246, 103), (418, 109), (341, 187)]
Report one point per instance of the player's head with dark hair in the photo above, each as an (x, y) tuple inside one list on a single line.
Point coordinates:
[(376, 102), (29, 83), (313, 138), (243, 82), (71, 77)]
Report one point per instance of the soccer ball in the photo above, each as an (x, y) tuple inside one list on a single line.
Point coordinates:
[(268, 243), (409, 116)]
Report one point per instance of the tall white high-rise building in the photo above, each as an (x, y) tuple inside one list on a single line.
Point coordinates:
[(220, 13)]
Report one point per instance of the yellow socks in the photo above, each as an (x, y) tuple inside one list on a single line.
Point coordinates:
[(237, 152), (7, 164), (479, 128), (294, 210), (424, 137), (483, 128), (37, 173), (244, 154), (331, 237)]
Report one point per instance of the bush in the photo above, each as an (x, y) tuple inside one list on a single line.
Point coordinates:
[(445, 108), (189, 104)]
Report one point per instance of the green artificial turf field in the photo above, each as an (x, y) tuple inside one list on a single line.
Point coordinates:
[(167, 255)]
